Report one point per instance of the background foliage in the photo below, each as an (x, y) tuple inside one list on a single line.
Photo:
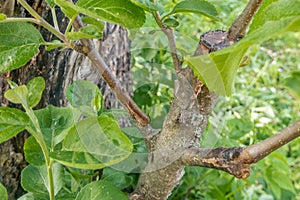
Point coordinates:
[(260, 106)]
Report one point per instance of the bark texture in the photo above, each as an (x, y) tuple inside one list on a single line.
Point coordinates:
[(60, 69)]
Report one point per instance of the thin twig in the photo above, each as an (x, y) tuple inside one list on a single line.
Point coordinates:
[(169, 32), (262, 149), (88, 48), (239, 26)]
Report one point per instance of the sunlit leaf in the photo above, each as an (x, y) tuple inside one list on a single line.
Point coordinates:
[(87, 32), (101, 190), (86, 96), (275, 10), (94, 142), (18, 43), (218, 69), (18, 95), (122, 12), (148, 5), (29, 196), (50, 3), (68, 8), (196, 6), (12, 122), (55, 123), (35, 88), (2, 16), (33, 152), (3, 192), (35, 180)]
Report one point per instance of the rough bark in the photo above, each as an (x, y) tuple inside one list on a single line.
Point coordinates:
[(59, 69)]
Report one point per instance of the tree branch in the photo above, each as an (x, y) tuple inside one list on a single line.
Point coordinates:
[(88, 48), (237, 160), (169, 32), (239, 26), (229, 160), (262, 149)]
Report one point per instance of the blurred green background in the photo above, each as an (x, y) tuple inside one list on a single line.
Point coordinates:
[(260, 106)]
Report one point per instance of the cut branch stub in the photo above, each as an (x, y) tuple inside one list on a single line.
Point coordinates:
[(214, 40)]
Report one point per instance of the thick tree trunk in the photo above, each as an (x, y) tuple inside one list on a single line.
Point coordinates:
[(59, 69)]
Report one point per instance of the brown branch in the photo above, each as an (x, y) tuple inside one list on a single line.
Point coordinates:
[(239, 26), (88, 48), (262, 149), (237, 160)]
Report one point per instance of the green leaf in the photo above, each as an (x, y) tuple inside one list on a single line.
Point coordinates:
[(239, 127), (218, 69), (28, 196), (2, 17), (293, 84), (18, 43), (33, 152), (35, 180), (50, 3), (80, 160), (53, 45), (88, 32), (96, 23), (12, 122), (101, 190), (18, 95), (148, 5), (196, 6), (35, 88), (116, 114), (275, 10), (86, 96), (12, 84), (3, 192), (171, 22), (118, 178), (55, 123), (122, 12), (68, 8), (94, 143)]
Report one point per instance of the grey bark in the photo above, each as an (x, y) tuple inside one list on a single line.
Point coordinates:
[(60, 69)]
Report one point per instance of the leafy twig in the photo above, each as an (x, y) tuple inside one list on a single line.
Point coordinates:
[(239, 26), (237, 160), (40, 23), (88, 48), (39, 20)]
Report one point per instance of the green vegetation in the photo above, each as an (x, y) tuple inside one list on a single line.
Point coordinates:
[(67, 144)]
